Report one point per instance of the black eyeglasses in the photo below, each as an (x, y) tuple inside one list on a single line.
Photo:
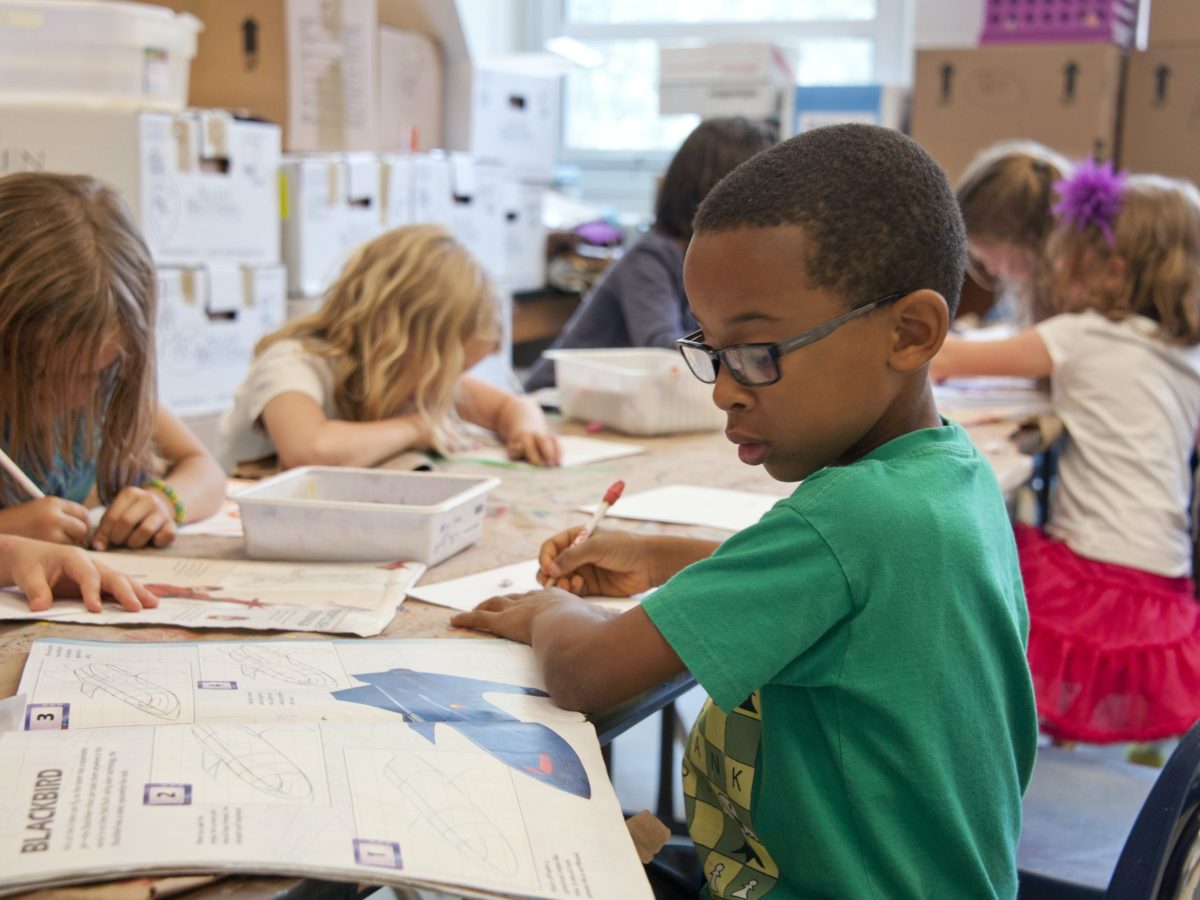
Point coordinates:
[(757, 365)]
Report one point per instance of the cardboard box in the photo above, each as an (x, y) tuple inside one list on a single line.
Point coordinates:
[(870, 104), (209, 319), (201, 185), (307, 64), (524, 252), (475, 216), (752, 79), (410, 91), (1162, 113), (1174, 23), (1064, 95), (433, 194), (332, 205), (505, 117), (399, 174)]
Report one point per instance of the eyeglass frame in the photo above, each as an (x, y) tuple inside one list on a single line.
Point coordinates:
[(776, 350)]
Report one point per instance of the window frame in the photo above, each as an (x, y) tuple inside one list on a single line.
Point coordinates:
[(891, 34)]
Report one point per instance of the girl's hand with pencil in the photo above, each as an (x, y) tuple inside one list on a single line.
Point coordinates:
[(136, 518), (536, 446), (44, 571), (50, 519)]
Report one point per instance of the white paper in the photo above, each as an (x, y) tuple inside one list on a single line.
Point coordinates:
[(422, 762), (974, 401), (469, 591), (343, 598), (225, 522), (576, 451), (686, 504)]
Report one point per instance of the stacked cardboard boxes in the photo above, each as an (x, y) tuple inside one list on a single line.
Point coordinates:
[(1162, 99), (203, 188), (1066, 96), (1052, 73)]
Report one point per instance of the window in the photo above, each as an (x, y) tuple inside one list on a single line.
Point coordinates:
[(610, 112)]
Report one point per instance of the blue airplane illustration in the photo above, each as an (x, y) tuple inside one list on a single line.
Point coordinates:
[(426, 699)]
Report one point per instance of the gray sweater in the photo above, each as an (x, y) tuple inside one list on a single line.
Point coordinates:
[(638, 302)]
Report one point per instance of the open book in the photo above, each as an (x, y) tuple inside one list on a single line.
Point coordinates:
[(436, 763)]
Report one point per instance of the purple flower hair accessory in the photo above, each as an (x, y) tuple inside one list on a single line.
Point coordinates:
[(1091, 197)]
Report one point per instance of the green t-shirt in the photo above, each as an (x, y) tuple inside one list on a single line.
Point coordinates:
[(872, 723)]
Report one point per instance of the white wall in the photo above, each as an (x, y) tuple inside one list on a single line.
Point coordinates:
[(947, 23), (490, 26)]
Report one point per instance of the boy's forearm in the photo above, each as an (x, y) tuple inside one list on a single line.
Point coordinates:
[(580, 670), (672, 554)]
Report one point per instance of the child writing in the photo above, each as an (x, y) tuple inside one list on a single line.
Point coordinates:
[(871, 724), (379, 368), (78, 408), (640, 300), (1114, 641), (43, 571), (1005, 197)]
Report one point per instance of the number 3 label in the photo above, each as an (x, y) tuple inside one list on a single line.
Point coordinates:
[(47, 716)]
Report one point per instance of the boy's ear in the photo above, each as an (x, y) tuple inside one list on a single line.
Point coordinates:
[(920, 321)]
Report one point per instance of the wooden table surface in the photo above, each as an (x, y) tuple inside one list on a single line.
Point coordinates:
[(529, 505)]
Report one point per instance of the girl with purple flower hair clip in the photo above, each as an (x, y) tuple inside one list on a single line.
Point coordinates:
[(1114, 642), (1005, 197)]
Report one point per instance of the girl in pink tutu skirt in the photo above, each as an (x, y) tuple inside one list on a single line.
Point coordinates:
[(1114, 643)]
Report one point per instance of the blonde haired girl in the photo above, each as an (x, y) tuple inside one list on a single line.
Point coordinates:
[(379, 368), (1114, 642), (78, 407), (1006, 196)]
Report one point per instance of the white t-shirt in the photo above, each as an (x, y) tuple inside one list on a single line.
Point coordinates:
[(1131, 406), (283, 367)]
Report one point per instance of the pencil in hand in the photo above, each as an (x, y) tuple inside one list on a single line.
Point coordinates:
[(611, 496)]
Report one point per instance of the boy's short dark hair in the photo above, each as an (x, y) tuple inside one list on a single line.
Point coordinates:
[(878, 211)]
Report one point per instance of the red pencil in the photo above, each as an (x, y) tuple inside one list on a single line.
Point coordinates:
[(610, 497)]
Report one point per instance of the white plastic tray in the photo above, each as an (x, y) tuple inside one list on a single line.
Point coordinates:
[(339, 514), (638, 390)]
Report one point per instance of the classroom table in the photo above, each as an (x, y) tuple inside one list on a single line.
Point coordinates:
[(529, 505)]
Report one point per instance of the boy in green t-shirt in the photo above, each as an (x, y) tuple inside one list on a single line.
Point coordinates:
[(871, 724)]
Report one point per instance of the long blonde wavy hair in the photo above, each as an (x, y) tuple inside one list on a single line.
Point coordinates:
[(75, 279), (1156, 234), (395, 324)]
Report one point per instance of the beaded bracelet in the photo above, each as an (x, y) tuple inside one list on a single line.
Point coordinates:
[(157, 484)]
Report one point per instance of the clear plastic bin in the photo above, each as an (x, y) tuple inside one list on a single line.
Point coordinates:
[(119, 55), (337, 514), (639, 390)]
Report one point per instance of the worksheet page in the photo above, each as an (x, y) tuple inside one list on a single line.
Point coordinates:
[(428, 762), (347, 598)]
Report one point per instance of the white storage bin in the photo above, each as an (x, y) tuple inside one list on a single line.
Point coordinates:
[(338, 514), (640, 390), (126, 55)]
